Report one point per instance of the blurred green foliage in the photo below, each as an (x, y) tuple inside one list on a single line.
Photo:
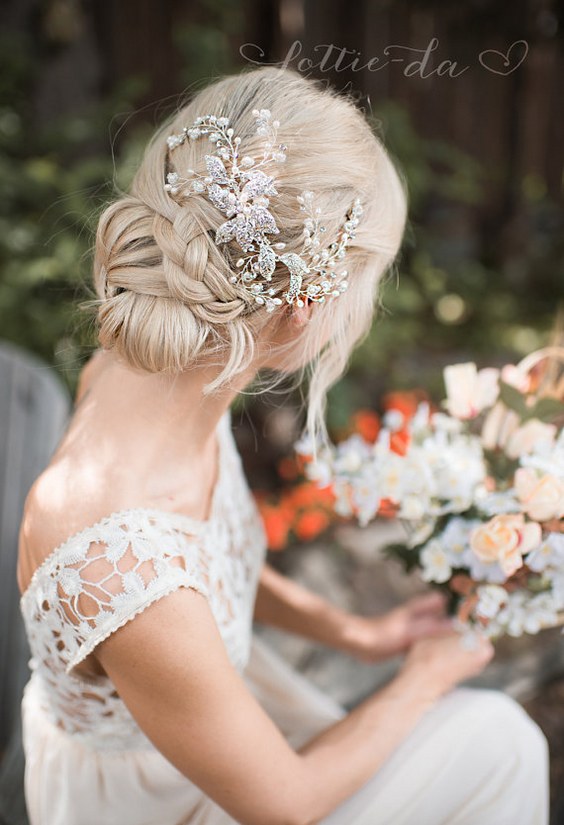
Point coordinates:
[(455, 294), (205, 46), (53, 181)]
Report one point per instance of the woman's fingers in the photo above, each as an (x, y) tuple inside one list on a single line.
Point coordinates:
[(433, 602), (431, 627)]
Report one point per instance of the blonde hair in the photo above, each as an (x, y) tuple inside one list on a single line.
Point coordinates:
[(165, 302)]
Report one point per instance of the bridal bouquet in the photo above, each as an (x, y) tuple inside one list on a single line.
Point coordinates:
[(478, 484)]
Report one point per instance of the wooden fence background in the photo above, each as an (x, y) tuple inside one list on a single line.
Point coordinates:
[(509, 117)]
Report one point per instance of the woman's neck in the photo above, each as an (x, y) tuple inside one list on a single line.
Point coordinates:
[(156, 424)]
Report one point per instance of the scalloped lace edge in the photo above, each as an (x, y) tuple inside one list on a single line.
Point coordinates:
[(88, 646)]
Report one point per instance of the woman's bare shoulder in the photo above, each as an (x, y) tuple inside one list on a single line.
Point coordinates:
[(48, 520), (59, 503)]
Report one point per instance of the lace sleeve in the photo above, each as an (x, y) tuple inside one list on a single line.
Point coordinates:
[(107, 575)]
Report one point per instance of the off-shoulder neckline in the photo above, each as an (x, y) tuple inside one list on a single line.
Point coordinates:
[(180, 519)]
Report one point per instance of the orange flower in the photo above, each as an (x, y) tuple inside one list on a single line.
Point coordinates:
[(302, 495), (276, 526), (301, 460), (367, 424), (308, 494), (399, 442), (405, 402), (310, 524), (326, 496), (387, 508)]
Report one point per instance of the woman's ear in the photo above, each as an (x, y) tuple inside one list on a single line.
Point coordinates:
[(300, 316)]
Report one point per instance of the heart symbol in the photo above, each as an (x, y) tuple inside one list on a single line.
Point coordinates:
[(505, 58)]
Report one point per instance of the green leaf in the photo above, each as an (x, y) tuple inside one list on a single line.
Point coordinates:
[(513, 399), (409, 558), (546, 409)]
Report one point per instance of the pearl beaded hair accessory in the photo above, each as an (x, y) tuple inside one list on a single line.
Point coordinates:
[(241, 190)]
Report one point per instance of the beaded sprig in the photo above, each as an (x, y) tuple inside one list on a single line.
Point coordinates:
[(240, 189)]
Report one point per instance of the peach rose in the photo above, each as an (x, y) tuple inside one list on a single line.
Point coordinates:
[(532, 434), (505, 539), (542, 498)]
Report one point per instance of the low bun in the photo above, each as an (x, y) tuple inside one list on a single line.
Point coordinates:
[(163, 286), (165, 298), (193, 267)]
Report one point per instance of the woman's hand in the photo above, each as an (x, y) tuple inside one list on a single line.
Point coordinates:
[(435, 665), (373, 638)]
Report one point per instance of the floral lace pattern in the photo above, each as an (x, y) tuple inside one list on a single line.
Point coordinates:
[(106, 574)]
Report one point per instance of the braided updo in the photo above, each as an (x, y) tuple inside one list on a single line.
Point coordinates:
[(165, 301)]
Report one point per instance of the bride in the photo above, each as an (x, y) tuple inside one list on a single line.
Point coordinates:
[(253, 239)]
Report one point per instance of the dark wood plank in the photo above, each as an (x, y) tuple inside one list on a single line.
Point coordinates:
[(34, 411)]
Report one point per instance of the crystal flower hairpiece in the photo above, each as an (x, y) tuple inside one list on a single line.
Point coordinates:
[(240, 189)]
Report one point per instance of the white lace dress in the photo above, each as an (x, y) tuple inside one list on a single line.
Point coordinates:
[(87, 761)]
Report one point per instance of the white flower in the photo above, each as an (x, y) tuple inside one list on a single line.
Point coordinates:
[(469, 391), (304, 445), (450, 425), (420, 420), (556, 580), (459, 472), (440, 472), (548, 554), (320, 471), (534, 435), (498, 426), (526, 614), (366, 500), (392, 474), (418, 532), (494, 504), (491, 599), (342, 492), (412, 509), (547, 458), (351, 455), (485, 571), (435, 563), (454, 540), (415, 474), (394, 420)]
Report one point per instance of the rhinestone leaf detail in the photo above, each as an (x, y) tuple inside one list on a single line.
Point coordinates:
[(266, 260), (241, 191)]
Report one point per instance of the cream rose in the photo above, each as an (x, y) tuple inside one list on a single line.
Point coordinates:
[(542, 498), (505, 539)]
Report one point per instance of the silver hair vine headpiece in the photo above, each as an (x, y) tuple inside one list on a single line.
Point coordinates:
[(241, 190)]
